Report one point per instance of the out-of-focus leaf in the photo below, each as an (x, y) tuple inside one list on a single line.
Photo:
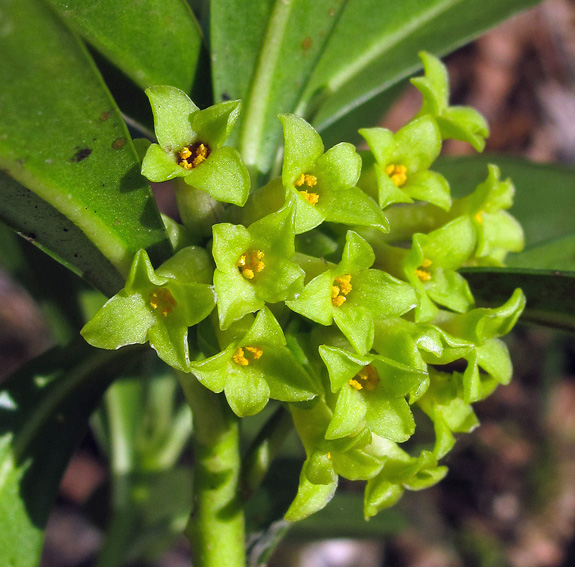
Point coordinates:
[(265, 55), (343, 517), (44, 410), (550, 296), (49, 230), (375, 44), (545, 194), (155, 42), (64, 139), (557, 254)]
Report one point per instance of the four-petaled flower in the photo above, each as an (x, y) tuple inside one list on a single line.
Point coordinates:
[(191, 145), (157, 306), (254, 265), (254, 367), (401, 173), (324, 183), (353, 295)]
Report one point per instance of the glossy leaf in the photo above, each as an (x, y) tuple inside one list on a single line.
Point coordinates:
[(550, 297), (44, 410), (155, 42), (52, 232), (64, 139), (375, 44), (265, 55)]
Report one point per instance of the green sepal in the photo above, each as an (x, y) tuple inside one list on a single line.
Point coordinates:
[(223, 176), (400, 471), (172, 109), (445, 405), (214, 124), (279, 280), (415, 146), (455, 122), (131, 318), (273, 372), (310, 498)]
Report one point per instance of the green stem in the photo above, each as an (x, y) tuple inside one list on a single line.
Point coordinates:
[(216, 526)]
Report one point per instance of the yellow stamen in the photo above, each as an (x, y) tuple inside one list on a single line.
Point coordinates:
[(307, 178), (163, 301), (244, 357), (478, 217), (340, 288), (397, 173), (311, 198), (251, 263), (191, 156), (366, 378), (422, 273)]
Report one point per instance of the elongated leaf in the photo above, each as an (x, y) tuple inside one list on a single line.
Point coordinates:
[(550, 296), (63, 137), (49, 230), (557, 254), (376, 42), (155, 42), (44, 410), (545, 194), (265, 55)]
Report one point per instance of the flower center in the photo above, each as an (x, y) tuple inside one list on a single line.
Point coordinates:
[(310, 181), (250, 263), (478, 217), (163, 301), (191, 156), (397, 173), (340, 288), (366, 378), (422, 272), (243, 356)]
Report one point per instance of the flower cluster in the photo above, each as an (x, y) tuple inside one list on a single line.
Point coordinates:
[(334, 288)]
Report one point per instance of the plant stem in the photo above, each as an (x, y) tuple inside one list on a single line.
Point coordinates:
[(216, 526)]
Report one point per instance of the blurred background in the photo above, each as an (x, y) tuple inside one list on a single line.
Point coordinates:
[(509, 498)]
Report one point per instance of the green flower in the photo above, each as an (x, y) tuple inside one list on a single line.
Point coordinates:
[(482, 327), (455, 122), (371, 390), (255, 367), (354, 296), (418, 344), (254, 265), (327, 460), (497, 231), (190, 145), (445, 405), (324, 183), (400, 471), (401, 173), (157, 306), (429, 266)]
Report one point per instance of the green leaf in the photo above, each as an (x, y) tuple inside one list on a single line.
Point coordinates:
[(54, 234), (375, 45), (557, 254), (265, 55), (544, 199), (44, 410), (550, 298), (64, 139), (155, 42)]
